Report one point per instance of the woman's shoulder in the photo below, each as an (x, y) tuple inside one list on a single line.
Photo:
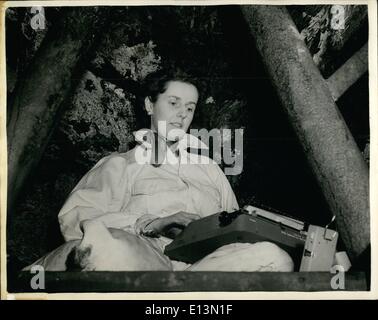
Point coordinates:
[(125, 159)]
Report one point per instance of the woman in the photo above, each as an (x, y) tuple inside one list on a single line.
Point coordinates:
[(119, 213)]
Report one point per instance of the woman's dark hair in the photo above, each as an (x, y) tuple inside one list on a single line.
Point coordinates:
[(157, 82)]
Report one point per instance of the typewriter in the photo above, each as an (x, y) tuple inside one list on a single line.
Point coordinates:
[(311, 247)]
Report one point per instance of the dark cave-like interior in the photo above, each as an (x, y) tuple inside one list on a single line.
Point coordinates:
[(211, 42)]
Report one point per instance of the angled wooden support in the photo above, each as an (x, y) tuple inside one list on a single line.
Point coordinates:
[(328, 144), (344, 77), (40, 94)]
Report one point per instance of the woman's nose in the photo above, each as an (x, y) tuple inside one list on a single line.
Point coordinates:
[(182, 113)]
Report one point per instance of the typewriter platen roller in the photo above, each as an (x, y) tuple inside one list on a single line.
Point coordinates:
[(252, 224)]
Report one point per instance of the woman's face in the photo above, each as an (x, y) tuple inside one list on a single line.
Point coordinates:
[(174, 108)]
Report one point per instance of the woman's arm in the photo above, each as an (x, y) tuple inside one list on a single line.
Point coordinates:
[(160, 226), (155, 226), (229, 202), (101, 194)]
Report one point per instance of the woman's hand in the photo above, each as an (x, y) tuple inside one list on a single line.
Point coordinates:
[(180, 219)]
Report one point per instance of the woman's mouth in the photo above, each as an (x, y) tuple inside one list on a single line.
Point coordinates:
[(177, 124)]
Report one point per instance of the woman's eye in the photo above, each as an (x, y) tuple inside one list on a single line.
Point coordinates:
[(191, 107)]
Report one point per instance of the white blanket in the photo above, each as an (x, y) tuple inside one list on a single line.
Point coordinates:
[(108, 249)]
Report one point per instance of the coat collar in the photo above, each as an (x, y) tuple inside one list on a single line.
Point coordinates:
[(146, 138), (158, 151)]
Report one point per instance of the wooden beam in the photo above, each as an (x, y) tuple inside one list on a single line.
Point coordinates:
[(325, 42), (41, 92), (343, 78), (181, 281), (326, 140)]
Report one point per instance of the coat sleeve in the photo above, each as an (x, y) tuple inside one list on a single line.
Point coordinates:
[(101, 194), (229, 202)]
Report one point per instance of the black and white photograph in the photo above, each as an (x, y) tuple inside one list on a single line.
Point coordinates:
[(172, 147)]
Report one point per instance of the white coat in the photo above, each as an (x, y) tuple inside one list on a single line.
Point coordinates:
[(120, 192)]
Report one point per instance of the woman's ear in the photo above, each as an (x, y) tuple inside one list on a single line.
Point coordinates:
[(149, 106)]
